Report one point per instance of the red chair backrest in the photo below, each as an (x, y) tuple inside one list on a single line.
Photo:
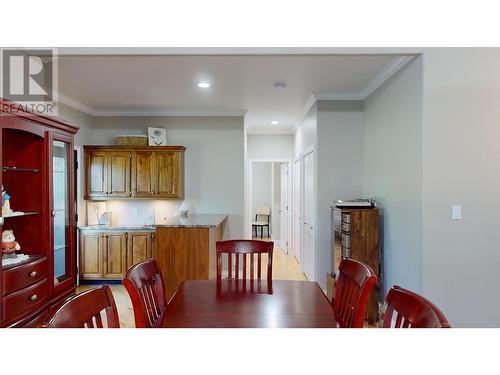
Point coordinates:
[(352, 289), (412, 311), (145, 287), (84, 310), (244, 248)]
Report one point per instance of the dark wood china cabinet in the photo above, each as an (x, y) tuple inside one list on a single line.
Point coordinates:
[(38, 174)]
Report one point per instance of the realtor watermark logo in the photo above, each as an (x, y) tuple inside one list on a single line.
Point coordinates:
[(29, 80)]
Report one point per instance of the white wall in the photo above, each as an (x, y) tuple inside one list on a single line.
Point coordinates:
[(339, 166), (305, 135), (214, 166), (461, 159), (393, 174), (270, 146), (335, 130), (261, 188)]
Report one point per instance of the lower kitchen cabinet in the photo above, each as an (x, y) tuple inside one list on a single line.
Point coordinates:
[(108, 255)]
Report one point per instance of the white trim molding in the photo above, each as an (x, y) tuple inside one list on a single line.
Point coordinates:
[(148, 112), (394, 66), (389, 70)]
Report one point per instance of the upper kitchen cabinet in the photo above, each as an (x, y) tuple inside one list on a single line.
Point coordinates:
[(118, 172)]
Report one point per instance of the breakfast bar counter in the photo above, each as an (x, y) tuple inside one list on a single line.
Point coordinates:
[(185, 248), (194, 221)]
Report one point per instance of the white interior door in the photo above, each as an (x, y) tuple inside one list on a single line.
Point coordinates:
[(284, 207), (309, 182), (297, 210)]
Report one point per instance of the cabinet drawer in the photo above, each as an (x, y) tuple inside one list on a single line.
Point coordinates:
[(24, 299), (25, 275)]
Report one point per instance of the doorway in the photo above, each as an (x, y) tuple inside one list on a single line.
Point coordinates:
[(269, 187)]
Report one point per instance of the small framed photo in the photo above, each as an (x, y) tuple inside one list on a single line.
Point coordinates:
[(157, 137)]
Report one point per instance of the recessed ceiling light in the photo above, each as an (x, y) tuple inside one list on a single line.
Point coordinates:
[(204, 85), (274, 122)]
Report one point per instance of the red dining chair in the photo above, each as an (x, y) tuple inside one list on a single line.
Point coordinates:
[(412, 311), (145, 287), (84, 310), (235, 249), (352, 290)]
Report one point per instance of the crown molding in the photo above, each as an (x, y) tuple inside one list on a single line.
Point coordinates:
[(389, 70), (394, 66), (169, 112), (147, 112), (75, 104)]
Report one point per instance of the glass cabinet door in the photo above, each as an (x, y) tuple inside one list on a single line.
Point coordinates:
[(60, 212)]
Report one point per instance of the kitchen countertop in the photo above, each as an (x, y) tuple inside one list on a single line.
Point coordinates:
[(195, 220), (191, 221), (149, 227)]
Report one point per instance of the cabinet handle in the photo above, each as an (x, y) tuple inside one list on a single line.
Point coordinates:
[(33, 274), (34, 297)]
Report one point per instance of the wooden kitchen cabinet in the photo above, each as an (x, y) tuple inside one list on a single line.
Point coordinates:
[(140, 247), (108, 255), (90, 256), (96, 170), (143, 173), (118, 168), (169, 179), (134, 172), (114, 259)]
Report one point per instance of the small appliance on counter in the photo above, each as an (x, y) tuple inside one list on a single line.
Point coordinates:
[(356, 203)]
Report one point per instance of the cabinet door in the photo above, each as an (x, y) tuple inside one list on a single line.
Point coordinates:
[(114, 255), (139, 247), (96, 175), (119, 174), (143, 174), (170, 175), (90, 256)]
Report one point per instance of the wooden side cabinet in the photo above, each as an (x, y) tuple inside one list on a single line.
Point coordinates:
[(108, 255), (134, 172), (356, 236)]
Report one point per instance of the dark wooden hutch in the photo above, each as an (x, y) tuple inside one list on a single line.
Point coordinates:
[(38, 174)]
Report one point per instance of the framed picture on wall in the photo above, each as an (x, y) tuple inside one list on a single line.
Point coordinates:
[(157, 137)]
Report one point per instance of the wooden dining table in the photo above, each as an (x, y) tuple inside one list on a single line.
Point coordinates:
[(248, 304)]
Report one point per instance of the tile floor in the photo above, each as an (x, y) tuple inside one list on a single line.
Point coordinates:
[(285, 267)]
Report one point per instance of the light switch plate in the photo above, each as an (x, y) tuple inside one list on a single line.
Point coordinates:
[(456, 212), (134, 211)]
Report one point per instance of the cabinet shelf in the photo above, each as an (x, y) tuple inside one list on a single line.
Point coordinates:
[(20, 215), (18, 169)]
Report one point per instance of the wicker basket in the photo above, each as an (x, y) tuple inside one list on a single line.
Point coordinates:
[(131, 140)]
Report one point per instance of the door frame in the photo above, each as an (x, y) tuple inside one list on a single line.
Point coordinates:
[(299, 253), (248, 195), (306, 152)]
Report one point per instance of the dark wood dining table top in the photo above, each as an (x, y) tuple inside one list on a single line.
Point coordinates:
[(248, 304)]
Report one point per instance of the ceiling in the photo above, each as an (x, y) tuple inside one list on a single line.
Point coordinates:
[(136, 85)]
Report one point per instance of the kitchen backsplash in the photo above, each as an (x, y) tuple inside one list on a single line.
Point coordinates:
[(142, 212)]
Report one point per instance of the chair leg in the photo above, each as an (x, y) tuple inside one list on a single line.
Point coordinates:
[(261, 231)]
